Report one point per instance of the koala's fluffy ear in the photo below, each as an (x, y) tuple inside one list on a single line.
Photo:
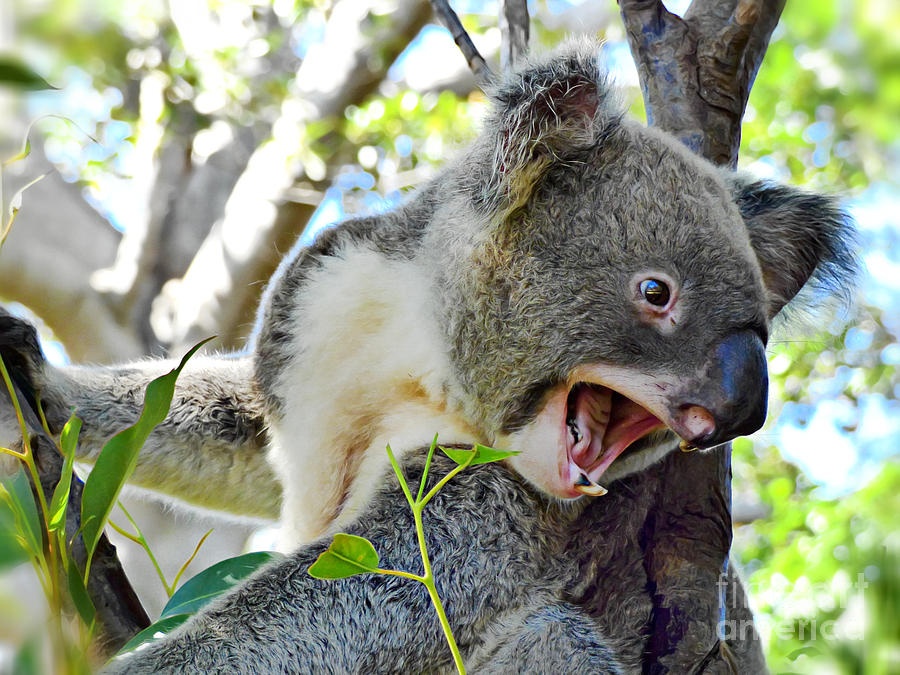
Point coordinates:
[(548, 111), (802, 241)]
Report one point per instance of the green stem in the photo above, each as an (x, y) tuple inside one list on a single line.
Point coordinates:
[(428, 580), (187, 562), (428, 458), (418, 507), (141, 541), (399, 573), (446, 479), (400, 477), (46, 561), (49, 557)]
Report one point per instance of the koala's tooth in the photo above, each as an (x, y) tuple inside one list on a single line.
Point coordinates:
[(686, 447), (586, 486)]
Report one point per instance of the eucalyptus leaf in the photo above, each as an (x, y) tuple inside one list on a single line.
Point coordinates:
[(214, 581), (23, 153), (20, 499), (60, 501), (118, 458), (347, 556), (15, 74), (483, 454), (155, 631), (79, 594), (15, 204), (27, 660), (12, 546)]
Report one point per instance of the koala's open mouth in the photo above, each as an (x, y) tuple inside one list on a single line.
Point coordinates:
[(600, 425)]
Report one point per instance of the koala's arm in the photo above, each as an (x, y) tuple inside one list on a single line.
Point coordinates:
[(209, 451), (489, 541)]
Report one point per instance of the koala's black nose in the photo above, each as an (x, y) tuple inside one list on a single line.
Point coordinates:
[(731, 400)]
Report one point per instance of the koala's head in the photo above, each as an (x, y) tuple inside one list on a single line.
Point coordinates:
[(616, 292)]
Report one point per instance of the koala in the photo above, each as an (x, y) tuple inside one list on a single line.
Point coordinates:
[(574, 286)]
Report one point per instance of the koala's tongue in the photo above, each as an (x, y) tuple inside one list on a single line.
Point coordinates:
[(601, 426)]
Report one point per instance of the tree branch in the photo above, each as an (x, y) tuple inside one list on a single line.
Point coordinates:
[(696, 72), (687, 540), (451, 22), (50, 268), (263, 217)]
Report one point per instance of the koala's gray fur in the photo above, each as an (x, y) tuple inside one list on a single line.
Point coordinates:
[(504, 303)]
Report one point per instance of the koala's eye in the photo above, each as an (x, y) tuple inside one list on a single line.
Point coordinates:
[(655, 292)]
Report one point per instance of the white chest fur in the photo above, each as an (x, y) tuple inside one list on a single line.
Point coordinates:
[(370, 370)]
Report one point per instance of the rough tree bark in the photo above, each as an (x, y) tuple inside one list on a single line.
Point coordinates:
[(696, 72)]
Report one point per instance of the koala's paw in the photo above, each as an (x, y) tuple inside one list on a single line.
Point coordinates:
[(21, 352), (24, 361)]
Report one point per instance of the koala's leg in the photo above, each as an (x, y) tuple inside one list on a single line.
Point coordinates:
[(540, 640), (208, 452), (210, 449)]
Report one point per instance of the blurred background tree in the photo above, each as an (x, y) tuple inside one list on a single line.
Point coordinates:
[(202, 138)]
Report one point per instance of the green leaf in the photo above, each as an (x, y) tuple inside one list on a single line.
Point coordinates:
[(12, 547), (80, 596), (60, 501), (118, 458), (19, 76), (214, 581), (347, 556), (17, 491), (483, 454), (155, 631)]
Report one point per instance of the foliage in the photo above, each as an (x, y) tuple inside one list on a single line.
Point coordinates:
[(824, 574), (35, 530), (198, 592), (17, 75), (823, 113), (825, 104)]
